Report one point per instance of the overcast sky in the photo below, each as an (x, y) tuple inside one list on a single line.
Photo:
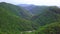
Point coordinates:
[(35, 2)]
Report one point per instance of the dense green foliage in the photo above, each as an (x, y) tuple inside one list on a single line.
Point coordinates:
[(17, 20), (11, 21), (53, 28), (15, 10), (47, 16), (50, 21)]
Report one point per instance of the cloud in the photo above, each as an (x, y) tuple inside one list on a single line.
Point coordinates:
[(36, 2)]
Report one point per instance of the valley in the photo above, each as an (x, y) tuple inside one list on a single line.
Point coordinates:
[(29, 19)]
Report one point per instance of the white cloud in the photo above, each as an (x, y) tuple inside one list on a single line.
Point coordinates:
[(36, 2)]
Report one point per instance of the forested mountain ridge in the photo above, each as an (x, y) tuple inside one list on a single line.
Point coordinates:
[(33, 9), (19, 11), (11, 21), (51, 14), (49, 21), (53, 28), (16, 19)]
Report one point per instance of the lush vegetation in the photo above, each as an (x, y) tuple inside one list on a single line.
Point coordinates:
[(17, 20), (53, 28), (15, 10), (11, 21)]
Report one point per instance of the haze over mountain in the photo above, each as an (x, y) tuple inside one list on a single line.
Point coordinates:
[(34, 9), (43, 15), (15, 19)]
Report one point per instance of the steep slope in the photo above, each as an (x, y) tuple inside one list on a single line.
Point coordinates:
[(11, 21), (53, 28), (33, 8), (51, 14), (19, 11), (43, 15)]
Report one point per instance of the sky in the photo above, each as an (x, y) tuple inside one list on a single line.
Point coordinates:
[(35, 2)]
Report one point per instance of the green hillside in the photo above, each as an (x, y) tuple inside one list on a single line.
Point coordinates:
[(11, 21), (15, 19), (53, 28), (49, 21), (47, 16), (13, 9)]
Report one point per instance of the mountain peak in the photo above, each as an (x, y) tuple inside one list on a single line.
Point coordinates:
[(3, 2)]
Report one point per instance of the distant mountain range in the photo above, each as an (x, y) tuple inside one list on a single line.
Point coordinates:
[(15, 19), (43, 14), (34, 9)]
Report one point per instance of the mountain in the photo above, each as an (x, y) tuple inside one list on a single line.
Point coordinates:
[(33, 8), (50, 14), (16, 19), (43, 15), (49, 21), (53, 28), (16, 10), (11, 21)]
